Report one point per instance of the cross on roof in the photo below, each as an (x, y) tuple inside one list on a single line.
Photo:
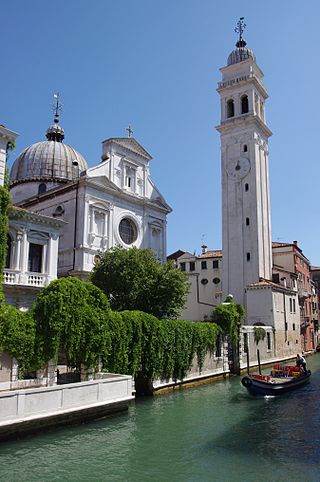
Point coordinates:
[(240, 27), (56, 106), (130, 131)]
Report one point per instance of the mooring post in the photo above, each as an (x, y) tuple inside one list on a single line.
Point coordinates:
[(258, 355)]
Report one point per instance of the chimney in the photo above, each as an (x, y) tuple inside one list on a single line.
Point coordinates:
[(204, 249), (295, 243)]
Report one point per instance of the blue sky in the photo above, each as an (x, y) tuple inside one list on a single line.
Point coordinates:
[(156, 65)]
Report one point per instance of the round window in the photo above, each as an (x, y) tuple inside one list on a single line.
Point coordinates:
[(96, 259), (204, 281), (128, 231), (216, 281)]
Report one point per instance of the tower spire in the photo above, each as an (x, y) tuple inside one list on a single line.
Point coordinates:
[(240, 27), (55, 131), (56, 107)]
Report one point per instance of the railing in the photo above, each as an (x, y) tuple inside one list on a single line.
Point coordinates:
[(13, 277), (36, 279), (305, 321), (303, 293)]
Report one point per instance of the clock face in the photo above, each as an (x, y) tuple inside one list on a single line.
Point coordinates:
[(238, 168)]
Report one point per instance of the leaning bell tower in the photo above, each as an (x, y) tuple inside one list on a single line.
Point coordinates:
[(246, 225)]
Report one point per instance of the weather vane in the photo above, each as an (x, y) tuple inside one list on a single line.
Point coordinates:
[(240, 27), (56, 105), (129, 130)]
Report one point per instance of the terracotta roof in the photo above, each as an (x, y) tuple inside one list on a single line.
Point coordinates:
[(267, 283), (280, 245), (214, 253), (277, 267), (175, 255)]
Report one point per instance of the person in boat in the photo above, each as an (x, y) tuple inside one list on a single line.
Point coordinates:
[(301, 362)]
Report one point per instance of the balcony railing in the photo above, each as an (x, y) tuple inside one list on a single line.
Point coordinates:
[(36, 279), (305, 321), (14, 277), (303, 293)]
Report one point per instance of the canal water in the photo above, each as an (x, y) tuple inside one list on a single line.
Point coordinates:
[(213, 432)]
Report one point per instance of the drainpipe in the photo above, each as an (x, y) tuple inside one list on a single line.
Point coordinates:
[(285, 318)]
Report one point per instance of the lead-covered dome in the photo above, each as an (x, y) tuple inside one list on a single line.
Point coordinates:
[(240, 53), (50, 160)]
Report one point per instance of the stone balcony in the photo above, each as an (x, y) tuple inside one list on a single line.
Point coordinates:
[(18, 278)]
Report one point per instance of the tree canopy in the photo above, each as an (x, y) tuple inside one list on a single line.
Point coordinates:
[(133, 279)]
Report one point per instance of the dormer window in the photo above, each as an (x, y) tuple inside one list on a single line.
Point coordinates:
[(230, 108), (244, 104)]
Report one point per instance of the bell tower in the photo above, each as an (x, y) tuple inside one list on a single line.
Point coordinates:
[(246, 224)]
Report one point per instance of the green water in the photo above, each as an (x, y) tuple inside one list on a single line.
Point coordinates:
[(210, 433)]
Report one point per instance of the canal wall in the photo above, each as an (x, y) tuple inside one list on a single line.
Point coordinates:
[(213, 367), (28, 410)]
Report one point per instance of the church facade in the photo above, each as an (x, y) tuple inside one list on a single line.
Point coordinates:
[(112, 203)]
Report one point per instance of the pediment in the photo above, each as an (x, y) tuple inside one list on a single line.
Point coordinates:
[(130, 144), (104, 182)]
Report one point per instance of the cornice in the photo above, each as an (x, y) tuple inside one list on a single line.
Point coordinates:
[(227, 85), (7, 133), (16, 214), (243, 120)]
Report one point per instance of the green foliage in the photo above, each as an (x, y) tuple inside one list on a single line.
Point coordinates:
[(259, 334), (11, 145), (146, 347), (72, 317), (17, 336), (229, 316), (4, 203), (133, 279)]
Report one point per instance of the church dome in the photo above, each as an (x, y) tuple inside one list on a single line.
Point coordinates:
[(49, 160), (241, 52)]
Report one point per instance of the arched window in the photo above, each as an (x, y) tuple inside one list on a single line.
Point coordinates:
[(9, 249), (230, 108), (244, 104), (42, 188)]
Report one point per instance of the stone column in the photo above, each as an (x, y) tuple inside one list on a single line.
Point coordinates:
[(14, 370), (52, 374), (24, 258), (17, 251), (86, 373)]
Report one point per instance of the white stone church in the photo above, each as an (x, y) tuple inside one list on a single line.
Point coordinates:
[(80, 211)]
